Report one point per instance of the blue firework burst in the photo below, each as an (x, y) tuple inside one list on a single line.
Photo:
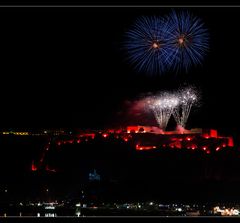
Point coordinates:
[(189, 40), (147, 45)]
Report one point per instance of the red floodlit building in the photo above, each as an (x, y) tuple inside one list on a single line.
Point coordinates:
[(143, 129), (153, 137)]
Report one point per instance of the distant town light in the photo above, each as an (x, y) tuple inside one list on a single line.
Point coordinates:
[(50, 207)]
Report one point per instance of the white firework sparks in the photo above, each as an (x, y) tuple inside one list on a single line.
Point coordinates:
[(163, 107), (187, 98)]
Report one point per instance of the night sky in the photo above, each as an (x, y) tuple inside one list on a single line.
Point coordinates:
[(65, 67)]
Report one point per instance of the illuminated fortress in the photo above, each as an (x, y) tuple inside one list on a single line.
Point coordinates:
[(148, 137), (152, 137)]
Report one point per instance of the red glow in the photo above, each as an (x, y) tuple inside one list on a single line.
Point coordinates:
[(132, 129), (213, 133), (145, 147), (105, 135), (188, 139), (224, 145), (125, 139), (204, 148), (193, 148), (34, 168), (78, 141), (92, 135), (208, 152), (230, 142), (59, 143)]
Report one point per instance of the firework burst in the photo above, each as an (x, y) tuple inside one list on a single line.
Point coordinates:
[(147, 45), (189, 40)]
